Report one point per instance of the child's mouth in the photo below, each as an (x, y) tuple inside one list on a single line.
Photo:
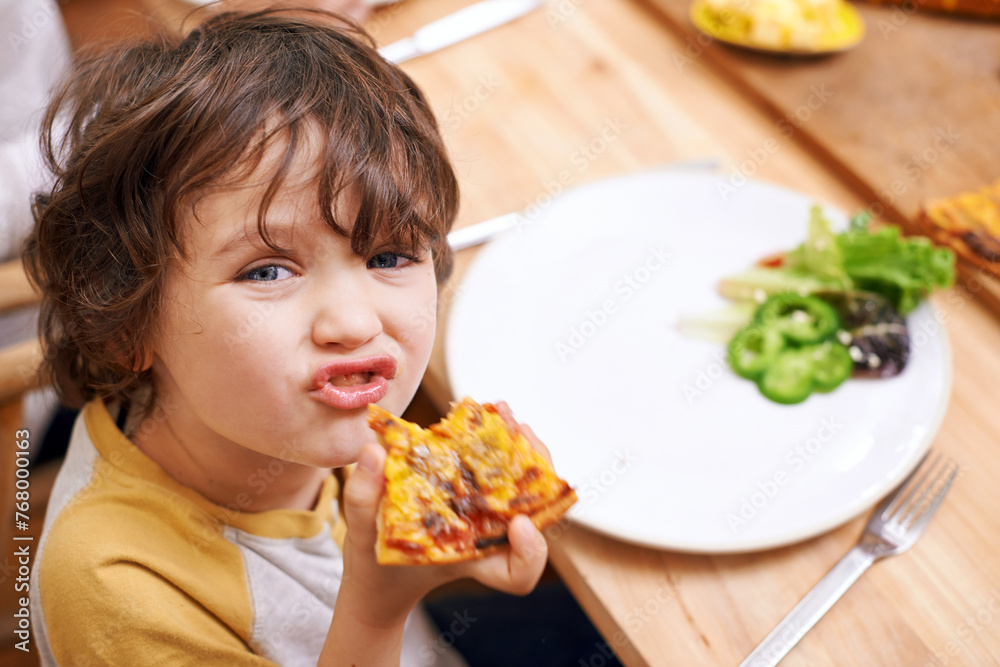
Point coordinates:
[(351, 379), (348, 384)]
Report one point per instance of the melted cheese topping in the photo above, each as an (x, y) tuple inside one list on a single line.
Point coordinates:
[(975, 212), (452, 489)]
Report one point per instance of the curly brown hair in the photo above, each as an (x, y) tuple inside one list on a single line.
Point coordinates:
[(139, 130)]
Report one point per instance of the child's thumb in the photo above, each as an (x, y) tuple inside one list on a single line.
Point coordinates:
[(363, 490)]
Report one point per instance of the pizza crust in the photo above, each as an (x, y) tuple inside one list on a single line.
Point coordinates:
[(554, 512)]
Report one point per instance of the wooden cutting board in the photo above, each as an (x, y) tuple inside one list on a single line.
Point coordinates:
[(911, 113)]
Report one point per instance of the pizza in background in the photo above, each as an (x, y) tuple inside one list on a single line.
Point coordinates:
[(969, 223)]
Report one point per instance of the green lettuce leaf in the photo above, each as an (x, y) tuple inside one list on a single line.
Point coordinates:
[(904, 270), (820, 256)]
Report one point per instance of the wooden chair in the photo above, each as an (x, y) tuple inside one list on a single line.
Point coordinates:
[(19, 362)]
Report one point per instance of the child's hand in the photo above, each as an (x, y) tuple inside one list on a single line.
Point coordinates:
[(504, 411), (387, 593), (513, 570), (374, 600)]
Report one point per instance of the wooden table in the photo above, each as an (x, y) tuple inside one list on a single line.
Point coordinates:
[(625, 83), (913, 113), (516, 105)]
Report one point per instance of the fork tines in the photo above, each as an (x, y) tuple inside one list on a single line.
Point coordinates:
[(921, 492)]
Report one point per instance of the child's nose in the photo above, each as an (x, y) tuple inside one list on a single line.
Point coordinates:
[(347, 317)]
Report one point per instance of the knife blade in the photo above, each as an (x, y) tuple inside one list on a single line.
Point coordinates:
[(481, 232), (463, 24)]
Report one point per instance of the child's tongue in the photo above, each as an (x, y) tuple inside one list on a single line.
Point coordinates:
[(350, 380)]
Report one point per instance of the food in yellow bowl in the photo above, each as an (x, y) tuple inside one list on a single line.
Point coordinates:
[(791, 26)]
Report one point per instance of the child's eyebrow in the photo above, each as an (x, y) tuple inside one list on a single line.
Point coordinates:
[(243, 238), (237, 242), (232, 244)]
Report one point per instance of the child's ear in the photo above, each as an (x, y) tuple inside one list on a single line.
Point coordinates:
[(143, 360), (138, 361)]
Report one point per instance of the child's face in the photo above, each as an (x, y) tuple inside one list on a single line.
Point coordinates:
[(278, 353)]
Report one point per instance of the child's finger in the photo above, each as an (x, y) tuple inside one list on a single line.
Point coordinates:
[(528, 545), (363, 491), (533, 440), (517, 569), (508, 416)]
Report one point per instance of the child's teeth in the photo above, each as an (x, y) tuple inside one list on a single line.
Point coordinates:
[(349, 380)]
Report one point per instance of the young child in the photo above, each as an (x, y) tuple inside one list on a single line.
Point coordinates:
[(241, 251)]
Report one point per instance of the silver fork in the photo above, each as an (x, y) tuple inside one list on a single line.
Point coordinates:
[(895, 525)]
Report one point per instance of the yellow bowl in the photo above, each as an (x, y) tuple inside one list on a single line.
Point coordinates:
[(735, 30)]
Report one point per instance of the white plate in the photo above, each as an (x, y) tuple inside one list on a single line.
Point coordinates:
[(572, 320)]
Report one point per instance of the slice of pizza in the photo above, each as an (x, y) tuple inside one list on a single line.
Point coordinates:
[(452, 489), (969, 223)]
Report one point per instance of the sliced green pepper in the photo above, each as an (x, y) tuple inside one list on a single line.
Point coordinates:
[(801, 319), (753, 349), (789, 378), (833, 365)]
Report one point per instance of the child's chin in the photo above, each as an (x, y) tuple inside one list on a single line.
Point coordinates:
[(330, 463), (342, 446)]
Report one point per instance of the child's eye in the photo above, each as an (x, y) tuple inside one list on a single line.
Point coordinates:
[(267, 272), (388, 260)]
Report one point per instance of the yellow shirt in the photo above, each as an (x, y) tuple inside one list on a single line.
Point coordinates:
[(134, 568)]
